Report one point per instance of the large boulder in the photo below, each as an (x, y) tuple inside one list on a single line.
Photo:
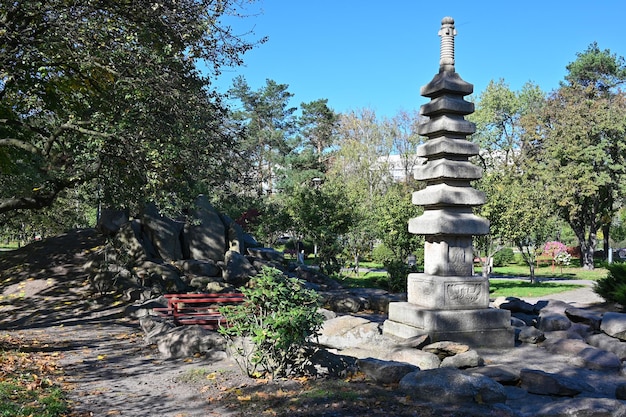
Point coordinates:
[(110, 221), (206, 268), (385, 372), (451, 386), (183, 341), (469, 359), (132, 241), (164, 233), (205, 234), (419, 358), (583, 407), (608, 343), (549, 322), (238, 270), (235, 235), (345, 332), (614, 324), (161, 275), (543, 383)]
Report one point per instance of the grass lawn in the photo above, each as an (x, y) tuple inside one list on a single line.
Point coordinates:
[(498, 287), (369, 279), (523, 288), (570, 272)]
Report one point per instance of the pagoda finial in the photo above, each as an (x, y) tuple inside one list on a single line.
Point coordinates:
[(447, 33)]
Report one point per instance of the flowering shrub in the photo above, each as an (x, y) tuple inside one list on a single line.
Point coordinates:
[(554, 248), (558, 252), (563, 258)]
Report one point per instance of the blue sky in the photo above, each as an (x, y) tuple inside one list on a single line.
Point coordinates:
[(367, 53)]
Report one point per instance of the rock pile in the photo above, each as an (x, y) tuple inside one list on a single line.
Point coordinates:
[(205, 252), (567, 361)]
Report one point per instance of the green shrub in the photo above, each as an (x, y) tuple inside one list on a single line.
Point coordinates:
[(503, 257), (519, 259), (270, 330), (397, 272), (381, 254), (613, 287)]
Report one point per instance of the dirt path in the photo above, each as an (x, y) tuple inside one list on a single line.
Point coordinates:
[(110, 371)]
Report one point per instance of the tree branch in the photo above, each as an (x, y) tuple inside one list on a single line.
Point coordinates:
[(75, 127), (40, 199), (29, 147)]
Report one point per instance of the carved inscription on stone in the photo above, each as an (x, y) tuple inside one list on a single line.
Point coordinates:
[(463, 293)]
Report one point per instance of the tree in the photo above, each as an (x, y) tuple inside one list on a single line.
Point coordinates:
[(109, 93), (520, 211), (402, 129), (360, 168), (321, 212), (318, 125), (583, 151), (269, 127), (499, 129), (505, 150), (360, 162), (393, 211), (598, 69)]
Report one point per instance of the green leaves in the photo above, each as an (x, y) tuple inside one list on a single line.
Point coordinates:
[(594, 67), (278, 317), (108, 92), (583, 146)]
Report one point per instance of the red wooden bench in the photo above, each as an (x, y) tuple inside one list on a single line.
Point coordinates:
[(544, 259), (202, 309)]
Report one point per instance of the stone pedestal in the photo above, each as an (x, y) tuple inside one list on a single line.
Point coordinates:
[(450, 308), (450, 292), (485, 327)]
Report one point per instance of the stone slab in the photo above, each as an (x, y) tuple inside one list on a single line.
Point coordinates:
[(447, 169), (448, 221), (448, 144), (490, 338), (448, 194), (450, 320), (448, 292), (477, 327)]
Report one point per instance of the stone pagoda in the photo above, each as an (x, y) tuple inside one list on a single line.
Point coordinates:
[(447, 301)]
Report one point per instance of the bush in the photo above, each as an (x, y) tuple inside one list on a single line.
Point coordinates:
[(397, 272), (381, 254), (269, 331), (503, 257), (519, 259), (613, 287)]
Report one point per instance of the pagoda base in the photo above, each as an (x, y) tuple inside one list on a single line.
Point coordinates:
[(484, 327), (448, 292)]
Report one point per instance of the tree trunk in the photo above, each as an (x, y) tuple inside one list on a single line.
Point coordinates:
[(587, 245), (587, 249), (606, 230), (532, 272), (486, 263)]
